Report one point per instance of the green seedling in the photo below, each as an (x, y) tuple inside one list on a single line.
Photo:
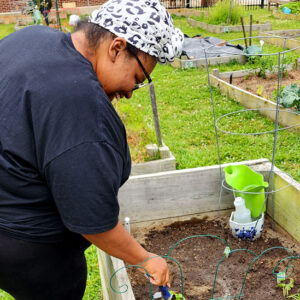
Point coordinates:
[(286, 287), (294, 296), (260, 89), (176, 296)]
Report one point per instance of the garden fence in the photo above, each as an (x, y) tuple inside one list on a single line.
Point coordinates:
[(17, 5)]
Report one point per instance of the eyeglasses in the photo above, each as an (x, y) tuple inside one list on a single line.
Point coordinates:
[(140, 85)]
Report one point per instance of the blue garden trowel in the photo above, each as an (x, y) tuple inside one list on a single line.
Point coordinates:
[(168, 295)]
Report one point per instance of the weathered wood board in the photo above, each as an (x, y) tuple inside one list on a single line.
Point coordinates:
[(251, 101)]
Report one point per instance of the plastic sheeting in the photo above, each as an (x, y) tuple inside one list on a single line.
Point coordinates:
[(194, 47)]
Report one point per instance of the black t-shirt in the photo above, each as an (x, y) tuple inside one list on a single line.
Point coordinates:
[(63, 148)]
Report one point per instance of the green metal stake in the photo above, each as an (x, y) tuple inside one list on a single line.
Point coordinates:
[(57, 16)]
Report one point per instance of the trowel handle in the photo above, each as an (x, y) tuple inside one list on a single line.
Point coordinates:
[(165, 292)]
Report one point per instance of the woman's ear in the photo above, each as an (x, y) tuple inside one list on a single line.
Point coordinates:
[(117, 46)]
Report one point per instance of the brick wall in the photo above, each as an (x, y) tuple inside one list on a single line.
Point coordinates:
[(16, 5)]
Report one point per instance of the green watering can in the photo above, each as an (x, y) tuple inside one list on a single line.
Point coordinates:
[(243, 179)]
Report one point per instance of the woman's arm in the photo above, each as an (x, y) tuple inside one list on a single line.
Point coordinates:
[(119, 243)]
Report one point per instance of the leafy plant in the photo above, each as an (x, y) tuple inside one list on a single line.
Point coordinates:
[(295, 296), (274, 94), (260, 89), (290, 96), (293, 6), (286, 287), (176, 296)]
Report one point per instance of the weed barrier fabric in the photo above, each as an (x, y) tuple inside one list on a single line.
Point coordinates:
[(194, 47)]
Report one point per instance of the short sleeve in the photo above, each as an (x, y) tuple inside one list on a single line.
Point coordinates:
[(84, 182)]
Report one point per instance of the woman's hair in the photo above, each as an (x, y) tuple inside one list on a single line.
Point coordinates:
[(95, 33)]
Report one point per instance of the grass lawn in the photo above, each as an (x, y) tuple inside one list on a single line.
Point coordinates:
[(6, 29), (187, 126)]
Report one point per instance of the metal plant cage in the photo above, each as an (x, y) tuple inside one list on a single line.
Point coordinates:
[(269, 192)]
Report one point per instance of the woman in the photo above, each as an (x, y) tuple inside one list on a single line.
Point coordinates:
[(63, 149)]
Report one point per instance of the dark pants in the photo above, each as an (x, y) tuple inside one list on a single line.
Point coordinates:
[(45, 13), (35, 271)]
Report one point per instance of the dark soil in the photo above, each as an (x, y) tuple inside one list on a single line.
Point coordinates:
[(199, 257), (265, 87)]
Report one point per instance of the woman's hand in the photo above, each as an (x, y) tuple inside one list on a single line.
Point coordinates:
[(157, 269), (119, 243)]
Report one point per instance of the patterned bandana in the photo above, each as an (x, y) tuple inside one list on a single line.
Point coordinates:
[(145, 24)]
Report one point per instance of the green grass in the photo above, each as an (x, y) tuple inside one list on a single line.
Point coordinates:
[(93, 289), (6, 29), (261, 16), (187, 126), (187, 123)]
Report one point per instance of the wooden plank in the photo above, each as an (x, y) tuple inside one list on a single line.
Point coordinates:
[(122, 280), (159, 165), (221, 28), (175, 193), (201, 62), (106, 270), (108, 265), (286, 204), (251, 101), (279, 41)]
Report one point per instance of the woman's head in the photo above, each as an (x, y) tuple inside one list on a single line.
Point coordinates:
[(145, 24), (128, 37)]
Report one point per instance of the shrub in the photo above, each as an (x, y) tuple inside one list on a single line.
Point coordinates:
[(293, 6), (219, 13)]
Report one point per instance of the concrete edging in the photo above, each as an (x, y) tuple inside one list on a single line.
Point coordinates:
[(221, 28)]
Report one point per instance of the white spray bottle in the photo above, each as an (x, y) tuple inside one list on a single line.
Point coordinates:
[(242, 214)]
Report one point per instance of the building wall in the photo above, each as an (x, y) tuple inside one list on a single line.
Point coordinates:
[(17, 5)]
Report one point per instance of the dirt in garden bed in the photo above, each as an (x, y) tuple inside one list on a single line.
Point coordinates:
[(265, 87), (199, 257)]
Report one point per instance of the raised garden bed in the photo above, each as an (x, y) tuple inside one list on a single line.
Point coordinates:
[(188, 12), (212, 61), (280, 15), (199, 257), (273, 37), (164, 198), (223, 28), (243, 94)]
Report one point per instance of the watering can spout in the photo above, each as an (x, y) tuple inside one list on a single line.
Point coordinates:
[(249, 185)]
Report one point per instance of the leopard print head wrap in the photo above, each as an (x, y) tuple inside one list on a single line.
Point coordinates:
[(145, 24)]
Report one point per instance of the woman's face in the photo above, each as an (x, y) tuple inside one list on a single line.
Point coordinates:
[(120, 72)]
